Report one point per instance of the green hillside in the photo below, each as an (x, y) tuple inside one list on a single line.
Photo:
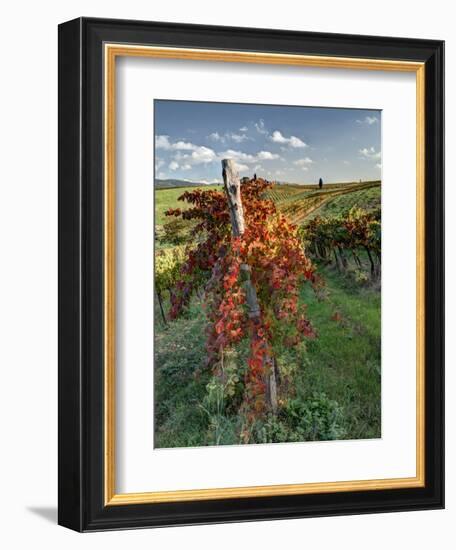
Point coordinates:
[(368, 199), (170, 183), (297, 202), (168, 198)]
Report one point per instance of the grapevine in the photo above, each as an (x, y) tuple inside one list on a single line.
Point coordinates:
[(272, 249), (357, 230)]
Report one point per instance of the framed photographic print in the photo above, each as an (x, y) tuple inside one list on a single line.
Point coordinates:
[(250, 274)]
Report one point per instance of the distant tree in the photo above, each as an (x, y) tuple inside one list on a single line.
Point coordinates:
[(320, 183)]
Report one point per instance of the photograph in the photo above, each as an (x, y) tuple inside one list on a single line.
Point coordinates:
[(267, 274)]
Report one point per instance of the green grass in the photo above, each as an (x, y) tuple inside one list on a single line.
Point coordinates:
[(167, 198), (179, 391), (339, 372), (344, 361)]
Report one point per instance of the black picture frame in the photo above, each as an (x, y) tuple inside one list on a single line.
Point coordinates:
[(81, 472)]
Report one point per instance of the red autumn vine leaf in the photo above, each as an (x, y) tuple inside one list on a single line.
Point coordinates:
[(272, 249)]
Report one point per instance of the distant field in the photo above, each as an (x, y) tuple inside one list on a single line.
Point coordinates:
[(167, 198), (297, 202), (368, 199)]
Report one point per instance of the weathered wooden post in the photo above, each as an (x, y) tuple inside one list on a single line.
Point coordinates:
[(232, 185)]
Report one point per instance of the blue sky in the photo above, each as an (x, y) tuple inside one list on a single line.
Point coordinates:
[(289, 144)]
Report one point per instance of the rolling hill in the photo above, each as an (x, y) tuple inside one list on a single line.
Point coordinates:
[(172, 183), (297, 202), (300, 202)]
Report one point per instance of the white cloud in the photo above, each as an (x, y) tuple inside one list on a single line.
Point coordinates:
[(187, 155), (227, 136), (267, 155), (215, 136), (162, 142), (243, 129), (247, 158), (296, 142), (241, 167), (277, 137), (292, 141), (183, 146), (200, 155), (203, 155), (238, 138), (370, 153), (237, 156), (303, 162), (369, 120), (346, 162), (260, 127)]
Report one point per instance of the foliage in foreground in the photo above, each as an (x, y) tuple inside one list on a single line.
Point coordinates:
[(270, 254), (336, 377)]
